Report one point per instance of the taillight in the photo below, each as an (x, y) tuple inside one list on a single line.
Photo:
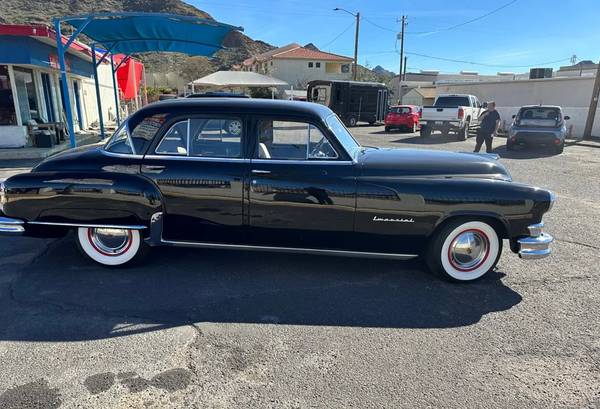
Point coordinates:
[(461, 113)]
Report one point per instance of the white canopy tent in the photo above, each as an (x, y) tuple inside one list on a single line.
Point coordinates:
[(236, 79)]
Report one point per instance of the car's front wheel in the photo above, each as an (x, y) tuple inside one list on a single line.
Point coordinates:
[(111, 246), (464, 250)]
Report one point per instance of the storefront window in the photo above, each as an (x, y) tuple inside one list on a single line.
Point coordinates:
[(28, 104), (7, 106)]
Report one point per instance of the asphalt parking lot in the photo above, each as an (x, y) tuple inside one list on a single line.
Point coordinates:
[(198, 328)]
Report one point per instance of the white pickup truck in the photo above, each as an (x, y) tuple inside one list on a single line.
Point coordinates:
[(457, 113)]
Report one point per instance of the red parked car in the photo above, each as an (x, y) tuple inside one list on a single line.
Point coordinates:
[(403, 117)]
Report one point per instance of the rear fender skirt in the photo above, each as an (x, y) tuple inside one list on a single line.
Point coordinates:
[(69, 197)]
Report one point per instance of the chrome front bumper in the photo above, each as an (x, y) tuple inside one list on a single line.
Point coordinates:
[(537, 245), (11, 226)]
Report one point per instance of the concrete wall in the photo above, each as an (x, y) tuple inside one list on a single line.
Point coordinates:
[(572, 94), (297, 72)]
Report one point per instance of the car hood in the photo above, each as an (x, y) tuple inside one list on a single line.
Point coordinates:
[(430, 163)]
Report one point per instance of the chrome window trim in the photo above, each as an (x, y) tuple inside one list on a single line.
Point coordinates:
[(304, 162), (107, 226), (300, 250), (122, 155), (197, 158)]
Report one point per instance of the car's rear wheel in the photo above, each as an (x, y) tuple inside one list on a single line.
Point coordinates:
[(352, 121), (111, 246), (464, 250)]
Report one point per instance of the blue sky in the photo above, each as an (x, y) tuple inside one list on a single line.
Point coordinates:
[(526, 32)]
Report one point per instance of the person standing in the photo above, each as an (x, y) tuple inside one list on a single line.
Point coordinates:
[(489, 121)]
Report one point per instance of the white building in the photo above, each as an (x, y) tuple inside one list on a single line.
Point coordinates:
[(298, 65), (573, 94)]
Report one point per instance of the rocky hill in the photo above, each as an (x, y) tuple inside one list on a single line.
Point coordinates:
[(239, 46)]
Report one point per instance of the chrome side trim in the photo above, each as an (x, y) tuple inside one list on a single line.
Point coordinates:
[(11, 226), (299, 250), (106, 226)]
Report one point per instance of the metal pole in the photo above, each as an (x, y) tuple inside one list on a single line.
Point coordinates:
[(401, 60), (98, 98), (404, 69), (589, 124), (65, 84), (115, 90), (354, 73)]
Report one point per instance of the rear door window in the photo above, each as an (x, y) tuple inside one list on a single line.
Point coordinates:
[(203, 137)]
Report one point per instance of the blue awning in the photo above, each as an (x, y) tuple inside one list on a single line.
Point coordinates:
[(152, 32)]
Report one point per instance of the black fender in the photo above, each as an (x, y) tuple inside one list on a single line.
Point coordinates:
[(82, 198)]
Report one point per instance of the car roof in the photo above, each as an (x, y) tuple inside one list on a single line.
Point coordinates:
[(237, 105)]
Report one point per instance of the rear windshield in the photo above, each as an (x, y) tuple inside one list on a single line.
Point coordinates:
[(540, 113), (452, 102), (400, 110)]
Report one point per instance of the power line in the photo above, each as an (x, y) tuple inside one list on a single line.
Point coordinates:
[(338, 36), (489, 13), (485, 64), (378, 26)]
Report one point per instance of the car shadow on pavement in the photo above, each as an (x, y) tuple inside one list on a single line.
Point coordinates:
[(435, 139), (61, 296), (525, 152)]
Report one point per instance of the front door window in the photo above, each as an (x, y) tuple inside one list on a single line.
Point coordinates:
[(288, 140)]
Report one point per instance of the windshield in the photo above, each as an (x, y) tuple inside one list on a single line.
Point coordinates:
[(343, 135), (452, 102)]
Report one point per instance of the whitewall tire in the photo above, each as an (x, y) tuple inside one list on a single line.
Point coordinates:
[(109, 246), (464, 250)]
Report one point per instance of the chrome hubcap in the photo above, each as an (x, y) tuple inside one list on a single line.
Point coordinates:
[(468, 250), (110, 241)]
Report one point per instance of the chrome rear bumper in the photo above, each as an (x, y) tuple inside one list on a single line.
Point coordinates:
[(537, 245), (11, 226)]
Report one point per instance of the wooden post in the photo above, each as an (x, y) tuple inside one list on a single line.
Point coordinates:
[(589, 124)]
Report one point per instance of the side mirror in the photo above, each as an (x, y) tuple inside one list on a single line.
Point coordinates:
[(484, 105), (567, 117), (514, 116)]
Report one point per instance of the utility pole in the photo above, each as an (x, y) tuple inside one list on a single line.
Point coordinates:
[(401, 38), (355, 73), (404, 70), (589, 124), (357, 17)]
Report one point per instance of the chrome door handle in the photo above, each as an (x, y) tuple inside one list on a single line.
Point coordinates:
[(154, 167), (260, 172)]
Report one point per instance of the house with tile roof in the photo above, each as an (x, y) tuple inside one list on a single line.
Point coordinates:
[(298, 65)]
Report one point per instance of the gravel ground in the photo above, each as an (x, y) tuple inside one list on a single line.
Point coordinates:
[(196, 328)]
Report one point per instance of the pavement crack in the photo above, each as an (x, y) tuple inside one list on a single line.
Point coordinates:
[(577, 243)]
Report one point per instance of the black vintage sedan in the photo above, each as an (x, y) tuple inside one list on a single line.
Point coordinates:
[(230, 173)]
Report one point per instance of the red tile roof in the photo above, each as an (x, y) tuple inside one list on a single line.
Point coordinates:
[(307, 54), (296, 51)]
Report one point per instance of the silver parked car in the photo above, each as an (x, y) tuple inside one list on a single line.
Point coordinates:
[(538, 125)]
